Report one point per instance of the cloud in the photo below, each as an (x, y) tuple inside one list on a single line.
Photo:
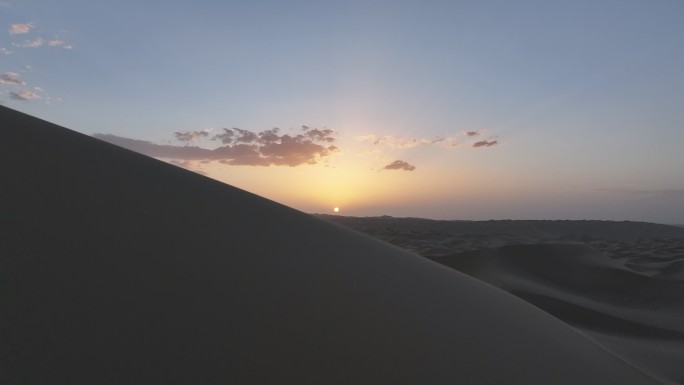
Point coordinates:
[(5, 4), (24, 95), (398, 142), (190, 136), (24, 28), (5, 51), (59, 43), (485, 143), (243, 136), (11, 78), (399, 165), (35, 43), (242, 147), (324, 135), (293, 151), (20, 28)]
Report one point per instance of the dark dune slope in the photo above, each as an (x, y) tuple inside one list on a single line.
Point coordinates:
[(119, 269), (639, 316)]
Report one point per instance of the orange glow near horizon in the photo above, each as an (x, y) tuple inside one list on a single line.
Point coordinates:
[(357, 184)]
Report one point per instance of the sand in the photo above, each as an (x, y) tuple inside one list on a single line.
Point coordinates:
[(619, 283), (116, 268)]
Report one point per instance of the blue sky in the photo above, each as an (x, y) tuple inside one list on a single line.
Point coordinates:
[(582, 100)]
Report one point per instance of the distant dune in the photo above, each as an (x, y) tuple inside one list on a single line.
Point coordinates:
[(619, 283), (434, 238), (116, 268)]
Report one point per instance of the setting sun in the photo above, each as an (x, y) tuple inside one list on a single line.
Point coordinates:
[(336, 209)]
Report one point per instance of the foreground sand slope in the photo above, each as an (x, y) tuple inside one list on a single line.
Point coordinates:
[(119, 269), (637, 315)]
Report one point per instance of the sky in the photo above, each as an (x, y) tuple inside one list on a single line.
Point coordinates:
[(530, 109)]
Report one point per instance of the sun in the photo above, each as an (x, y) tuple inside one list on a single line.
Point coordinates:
[(336, 209)]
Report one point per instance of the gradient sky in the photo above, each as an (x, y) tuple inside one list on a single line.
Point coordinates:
[(439, 109)]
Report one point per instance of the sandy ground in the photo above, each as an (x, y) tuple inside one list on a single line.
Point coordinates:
[(619, 283), (116, 268)]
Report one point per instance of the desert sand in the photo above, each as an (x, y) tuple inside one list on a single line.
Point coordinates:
[(116, 268), (619, 283)]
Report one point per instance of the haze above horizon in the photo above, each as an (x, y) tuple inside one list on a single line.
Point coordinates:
[(434, 109)]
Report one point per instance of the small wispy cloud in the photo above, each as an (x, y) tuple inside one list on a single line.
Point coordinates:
[(33, 43), (398, 142), (190, 136), (11, 78), (59, 43), (24, 95), (5, 4), (386, 147), (5, 51), (485, 143), (22, 91), (20, 28), (399, 165), (24, 28), (448, 142)]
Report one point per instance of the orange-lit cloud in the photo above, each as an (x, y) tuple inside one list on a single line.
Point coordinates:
[(242, 147), (33, 43), (20, 28), (24, 95), (25, 28), (59, 43), (399, 165)]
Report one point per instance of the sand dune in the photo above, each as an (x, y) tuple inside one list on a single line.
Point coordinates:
[(432, 238), (119, 269), (638, 316), (620, 283)]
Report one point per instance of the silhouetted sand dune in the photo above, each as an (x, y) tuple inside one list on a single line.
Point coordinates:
[(119, 269)]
